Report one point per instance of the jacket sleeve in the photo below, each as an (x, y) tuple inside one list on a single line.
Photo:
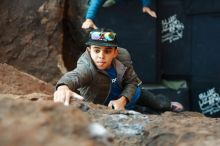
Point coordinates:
[(146, 3), (78, 77), (130, 78), (93, 9)]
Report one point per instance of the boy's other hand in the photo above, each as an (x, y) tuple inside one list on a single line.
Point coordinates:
[(63, 94), (118, 104)]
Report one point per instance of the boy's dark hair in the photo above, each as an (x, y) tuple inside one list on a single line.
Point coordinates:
[(102, 37)]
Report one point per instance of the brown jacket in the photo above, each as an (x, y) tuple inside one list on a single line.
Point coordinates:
[(94, 84)]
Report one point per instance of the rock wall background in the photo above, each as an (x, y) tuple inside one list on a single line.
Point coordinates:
[(35, 36)]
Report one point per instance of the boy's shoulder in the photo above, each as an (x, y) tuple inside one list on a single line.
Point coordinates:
[(85, 58), (123, 54)]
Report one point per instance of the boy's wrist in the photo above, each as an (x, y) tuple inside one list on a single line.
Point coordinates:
[(124, 99), (62, 87)]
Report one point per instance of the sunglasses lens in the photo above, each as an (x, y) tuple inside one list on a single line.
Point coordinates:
[(95, 35), (109, 36), (106, 36)]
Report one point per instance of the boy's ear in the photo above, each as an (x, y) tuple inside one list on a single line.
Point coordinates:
[(88, 49)]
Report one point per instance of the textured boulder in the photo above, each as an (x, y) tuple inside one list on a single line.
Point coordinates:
[(25, 123), (26, 105), (84, 124), (12, 81), (32, 35)]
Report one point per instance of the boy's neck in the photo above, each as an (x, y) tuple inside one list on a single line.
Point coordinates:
[(109, 67)]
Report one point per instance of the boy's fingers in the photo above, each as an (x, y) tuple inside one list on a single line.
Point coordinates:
[(111, 105), (65, 95), (67, 99), (62, 96), (55, 97), (75, 95), (59, 97)]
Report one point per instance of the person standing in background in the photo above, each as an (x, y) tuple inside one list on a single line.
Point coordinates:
[(95, 5)]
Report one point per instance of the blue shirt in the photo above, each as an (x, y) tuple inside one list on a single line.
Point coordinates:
[(116, 90), (95, 5), (115, 87)]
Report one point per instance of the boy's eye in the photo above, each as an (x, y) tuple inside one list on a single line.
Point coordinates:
[(108, 51), (97, 50)]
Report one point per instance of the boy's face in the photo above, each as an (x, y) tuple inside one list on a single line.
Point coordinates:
[(102, 56)]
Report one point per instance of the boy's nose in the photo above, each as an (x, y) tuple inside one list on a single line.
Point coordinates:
[(101, 54)]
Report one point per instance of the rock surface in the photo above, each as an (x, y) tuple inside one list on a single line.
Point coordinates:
[(36, 35), (13, 81), (28, 116), (43, 122), (25, 123)]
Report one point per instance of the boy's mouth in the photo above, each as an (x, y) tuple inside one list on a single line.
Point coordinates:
[(100, 63)]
